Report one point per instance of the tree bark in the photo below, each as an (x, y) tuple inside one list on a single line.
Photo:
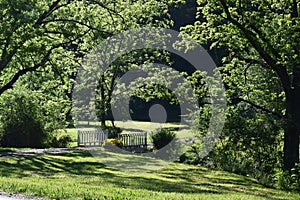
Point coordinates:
[(102, 103), (291, 135)]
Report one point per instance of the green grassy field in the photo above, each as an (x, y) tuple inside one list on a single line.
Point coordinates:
[(127, 126), (79, 175)]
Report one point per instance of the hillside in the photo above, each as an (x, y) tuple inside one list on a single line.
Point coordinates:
[(78, 175)]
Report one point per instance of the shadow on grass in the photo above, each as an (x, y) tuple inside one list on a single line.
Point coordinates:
[(175, 178), (50, 165), (185, 181)]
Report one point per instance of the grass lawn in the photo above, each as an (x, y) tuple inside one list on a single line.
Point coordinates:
[(79, 175), (127, 126)]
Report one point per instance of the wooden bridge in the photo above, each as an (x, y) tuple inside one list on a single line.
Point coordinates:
[(91, 137), (134, 140), (96, 137)]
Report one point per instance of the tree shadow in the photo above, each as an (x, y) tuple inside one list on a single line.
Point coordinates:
[(48, 166), (177, 178)]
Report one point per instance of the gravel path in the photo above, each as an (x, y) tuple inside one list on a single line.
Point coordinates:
[(6, 196)]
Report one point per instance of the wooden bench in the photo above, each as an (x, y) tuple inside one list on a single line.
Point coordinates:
[(91, 137)]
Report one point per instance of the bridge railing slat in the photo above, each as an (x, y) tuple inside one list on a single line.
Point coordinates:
[(91, 138), (97, 137), (134, 140)]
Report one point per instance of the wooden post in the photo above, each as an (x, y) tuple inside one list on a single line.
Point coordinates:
[(78, 138), (145, 135)]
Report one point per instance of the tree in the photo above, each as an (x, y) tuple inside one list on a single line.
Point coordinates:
[(34, 33), (263, 35), (52, 37), (149, 13), (109, 78)]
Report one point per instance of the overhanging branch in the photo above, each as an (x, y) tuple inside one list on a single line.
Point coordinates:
[(45, 58), (80, 23), (280, 70), (47, 13), (238, 100), (108, 9)]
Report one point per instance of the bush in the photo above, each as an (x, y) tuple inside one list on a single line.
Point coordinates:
[(191, 155), (113, 132), (250, 144), (295, 177), (289, 180), (21, 123), (61, 142), (28, 119), (113, 142), (162, 137)]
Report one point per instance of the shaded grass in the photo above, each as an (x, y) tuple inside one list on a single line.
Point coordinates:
[(78, 175)]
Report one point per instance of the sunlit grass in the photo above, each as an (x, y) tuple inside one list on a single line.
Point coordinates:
[(79, 175), (129, 126)]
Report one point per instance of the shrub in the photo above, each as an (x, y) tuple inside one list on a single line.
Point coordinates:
[(162, 137), (250, 144), (283, 181), (191, 155), (61, 142), (28, 119), (21, 123), (295, 176), (289, 180), (113, 142), (112, 131)]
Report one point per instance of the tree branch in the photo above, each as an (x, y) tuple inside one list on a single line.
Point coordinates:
[(108, 9), (22, 72), (280, 70), (7, 56), (238, 100), (249, 35), (51, 9), (5, 59), (255, 61), (77, 22)]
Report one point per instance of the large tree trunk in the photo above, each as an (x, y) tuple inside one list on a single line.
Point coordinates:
[(292, 132), (103, 120)]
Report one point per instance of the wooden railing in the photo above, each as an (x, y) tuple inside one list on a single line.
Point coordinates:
[(134, 140), (96, 138), (91, 137)]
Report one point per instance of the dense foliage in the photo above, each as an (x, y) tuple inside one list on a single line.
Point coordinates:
[(162, 137), (42, 45), (259, 45), (27, 119), (113, 131), (60, 142)]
